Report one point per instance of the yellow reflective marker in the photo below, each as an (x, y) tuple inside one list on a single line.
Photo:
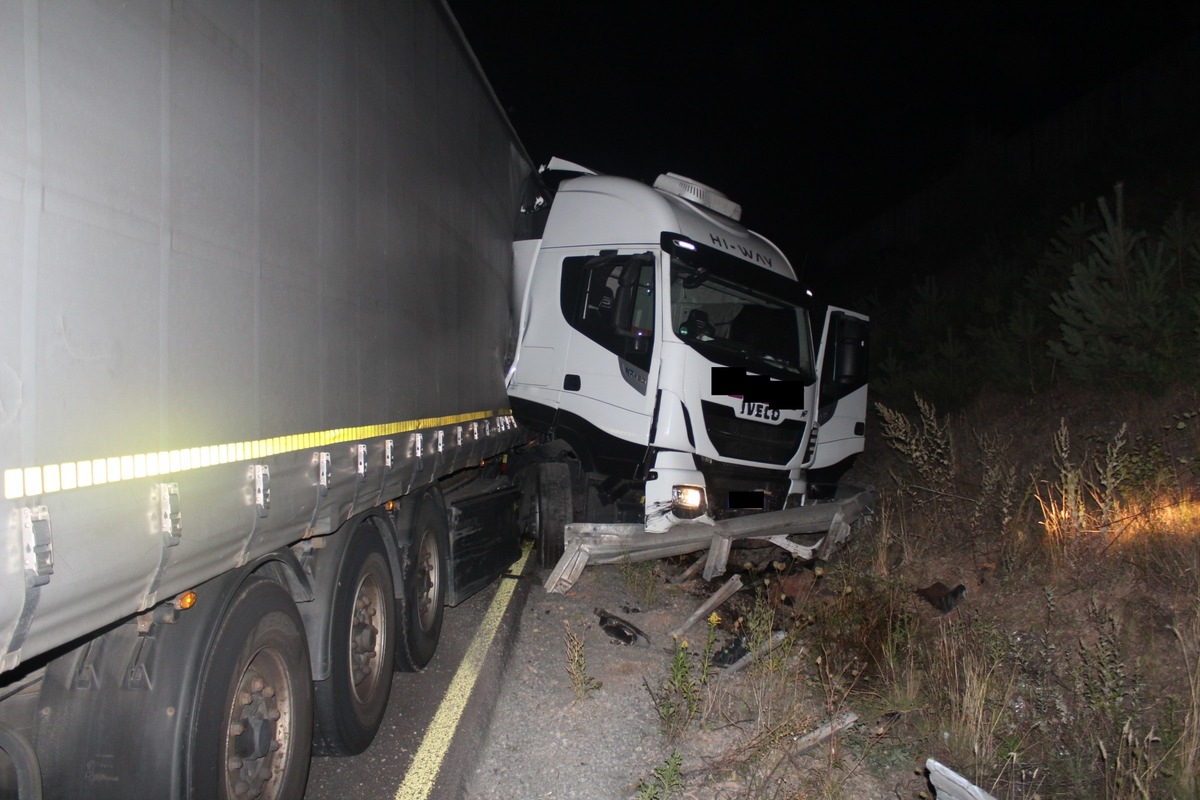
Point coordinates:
[(50, 479), (31, 481), (427, 763)]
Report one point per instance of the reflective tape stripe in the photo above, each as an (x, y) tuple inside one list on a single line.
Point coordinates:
[(33, 481)]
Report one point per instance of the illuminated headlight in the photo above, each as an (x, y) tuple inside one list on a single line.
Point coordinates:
[(687, 501)]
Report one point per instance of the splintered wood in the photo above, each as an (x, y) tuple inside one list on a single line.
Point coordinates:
[(826, 731), (726, 591)]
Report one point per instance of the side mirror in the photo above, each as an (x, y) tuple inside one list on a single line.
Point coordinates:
[(850, 352), (846, 358)]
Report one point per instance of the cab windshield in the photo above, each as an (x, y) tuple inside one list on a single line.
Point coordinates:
[(738, 315)]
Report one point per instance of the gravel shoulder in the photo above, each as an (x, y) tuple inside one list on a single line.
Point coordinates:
[(544, 741)]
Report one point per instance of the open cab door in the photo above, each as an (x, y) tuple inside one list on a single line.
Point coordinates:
[(841, 394)]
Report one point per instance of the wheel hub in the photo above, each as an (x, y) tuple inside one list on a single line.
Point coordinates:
[(427, 578), (255, 730), (365, 640)]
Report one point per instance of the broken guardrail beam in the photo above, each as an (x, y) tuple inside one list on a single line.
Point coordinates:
[(612, 543)]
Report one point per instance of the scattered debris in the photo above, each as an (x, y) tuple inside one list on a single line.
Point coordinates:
[(826, 731), (941, 598), (733, 651), (689, 573), (952, 786), (727, 590), (776, 639), (786, 591), (621, 630)]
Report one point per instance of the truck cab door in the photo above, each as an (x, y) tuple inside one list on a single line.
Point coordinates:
[(841, 391), (610, 372), (536, 381)]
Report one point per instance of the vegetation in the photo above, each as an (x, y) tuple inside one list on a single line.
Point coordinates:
[(642, 579), (1106, 303), (665, 781), (581, 682), (1071, 673)]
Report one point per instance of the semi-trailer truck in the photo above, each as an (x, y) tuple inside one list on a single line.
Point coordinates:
[(265, 339)]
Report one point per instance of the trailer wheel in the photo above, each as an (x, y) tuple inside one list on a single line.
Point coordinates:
[(253, 731), (423, 598), (350, 703), (553, 509)]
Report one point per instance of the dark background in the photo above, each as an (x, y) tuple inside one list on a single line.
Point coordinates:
[(814, 117)]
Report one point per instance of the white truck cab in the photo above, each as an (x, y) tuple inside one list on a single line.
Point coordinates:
[(671, 351)]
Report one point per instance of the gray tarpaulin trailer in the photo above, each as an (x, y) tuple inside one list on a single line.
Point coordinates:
[(255, 261)]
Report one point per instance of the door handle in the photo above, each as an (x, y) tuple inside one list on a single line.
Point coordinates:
[(571, 383)]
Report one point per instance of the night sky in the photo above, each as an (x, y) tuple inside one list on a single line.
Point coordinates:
[(814, 118)]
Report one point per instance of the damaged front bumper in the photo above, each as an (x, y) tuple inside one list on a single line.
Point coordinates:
[(610, 543)]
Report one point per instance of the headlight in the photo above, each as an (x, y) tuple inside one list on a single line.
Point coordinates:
[(688, 502)]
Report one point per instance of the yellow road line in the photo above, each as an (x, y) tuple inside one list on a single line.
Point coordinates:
[(427, 763)]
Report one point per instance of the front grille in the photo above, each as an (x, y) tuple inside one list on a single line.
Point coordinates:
[(737, 491), (746, 440)]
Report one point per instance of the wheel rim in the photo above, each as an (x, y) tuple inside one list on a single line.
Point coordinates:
[(256, 747), (536, 516), (429, 578), (367, 639)]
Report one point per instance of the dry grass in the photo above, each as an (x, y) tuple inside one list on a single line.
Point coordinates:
[(1188, 746), (978, 692), (581, 682), (1059, 674)]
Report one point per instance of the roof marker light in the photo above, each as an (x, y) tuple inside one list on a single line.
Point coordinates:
[(686, 245)]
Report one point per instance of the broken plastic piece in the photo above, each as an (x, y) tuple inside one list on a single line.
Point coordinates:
[(621, 630)]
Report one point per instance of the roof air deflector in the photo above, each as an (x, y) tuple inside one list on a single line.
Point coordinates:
[(699, 194)]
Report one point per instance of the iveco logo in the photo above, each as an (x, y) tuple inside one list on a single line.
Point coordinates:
[(759, 410), (635, 375)]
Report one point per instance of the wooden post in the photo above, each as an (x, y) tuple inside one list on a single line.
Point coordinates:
[(726, 591), (718, 554)]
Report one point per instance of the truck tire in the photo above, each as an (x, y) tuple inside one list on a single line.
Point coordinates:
[(423, 596), (350, 703), (21, 761), (553, 509), (252, 735)]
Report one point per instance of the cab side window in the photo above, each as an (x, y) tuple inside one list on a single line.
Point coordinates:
[(609, 298)]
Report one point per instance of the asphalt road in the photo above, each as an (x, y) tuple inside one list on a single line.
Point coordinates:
[(437, 719)]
